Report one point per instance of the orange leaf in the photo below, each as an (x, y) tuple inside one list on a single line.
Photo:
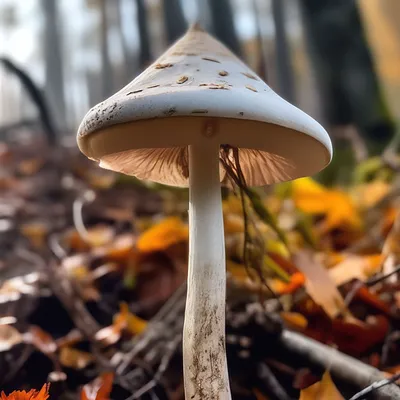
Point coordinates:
[(325, 389), (168, 232), (31, 395), (99, 389), (297, 280), (294, 320)]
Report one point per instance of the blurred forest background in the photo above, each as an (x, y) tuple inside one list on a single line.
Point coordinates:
[(338, 60)]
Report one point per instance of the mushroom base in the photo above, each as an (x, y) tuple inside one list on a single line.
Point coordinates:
[(204, 355)]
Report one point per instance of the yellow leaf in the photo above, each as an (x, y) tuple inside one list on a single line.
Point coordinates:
[(168, 232), (232, 205), (325, 389), (135, 325), (35, 232), (336, 205), (307, 186), (233, 223)]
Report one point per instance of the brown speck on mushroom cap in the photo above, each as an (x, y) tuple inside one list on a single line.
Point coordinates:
[(253, 89), (251, 76), (223, 73), (182, 79), (162, 66)]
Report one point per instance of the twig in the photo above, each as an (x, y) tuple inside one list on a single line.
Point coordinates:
[(175, 303), (342, 367), (352, 135), (378, 279), (35, 94), (63, 288), (77, 207), (269, 384), (18, 364), (375, 386)]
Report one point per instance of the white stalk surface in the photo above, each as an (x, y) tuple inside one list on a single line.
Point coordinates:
[(204, 355)]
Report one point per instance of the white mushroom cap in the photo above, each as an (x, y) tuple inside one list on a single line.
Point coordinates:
[(199, 90)]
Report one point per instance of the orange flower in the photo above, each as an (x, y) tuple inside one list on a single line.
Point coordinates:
[(31, 395)]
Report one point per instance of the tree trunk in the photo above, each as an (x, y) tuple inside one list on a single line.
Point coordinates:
[(282, 52), (106, 67), (144, 37), (345, 70), (223, 24), (54, 84), (174, 20)]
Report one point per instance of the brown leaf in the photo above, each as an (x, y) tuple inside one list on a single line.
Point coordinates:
[(9, 337), (40, 339), (319, 285), (99, 389), (73, 358)]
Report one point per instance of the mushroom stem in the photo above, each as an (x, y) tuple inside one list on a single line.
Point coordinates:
[(204, 356)]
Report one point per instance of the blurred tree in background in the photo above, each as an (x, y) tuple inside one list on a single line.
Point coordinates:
[(336, 59)]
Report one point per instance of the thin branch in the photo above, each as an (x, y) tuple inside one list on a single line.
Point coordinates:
[(375, 386), (36, 96)]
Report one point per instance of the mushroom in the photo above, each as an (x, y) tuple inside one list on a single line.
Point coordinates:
[(168, 126)]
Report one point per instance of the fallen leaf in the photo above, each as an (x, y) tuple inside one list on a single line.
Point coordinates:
[(369, 194), (325, 389), (99, 389), (166, 233), (259, 395), (73, 358), (319, 284), (297, 280), (9, 337), (355, 267), (31, 395), (40, 339), (123, 321), (391, 249), (36, 233), (355, 337), (337, 206), (364, 294), (294, 320)]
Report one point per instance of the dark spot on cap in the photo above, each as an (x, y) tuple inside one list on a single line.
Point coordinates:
[(211, 59)]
